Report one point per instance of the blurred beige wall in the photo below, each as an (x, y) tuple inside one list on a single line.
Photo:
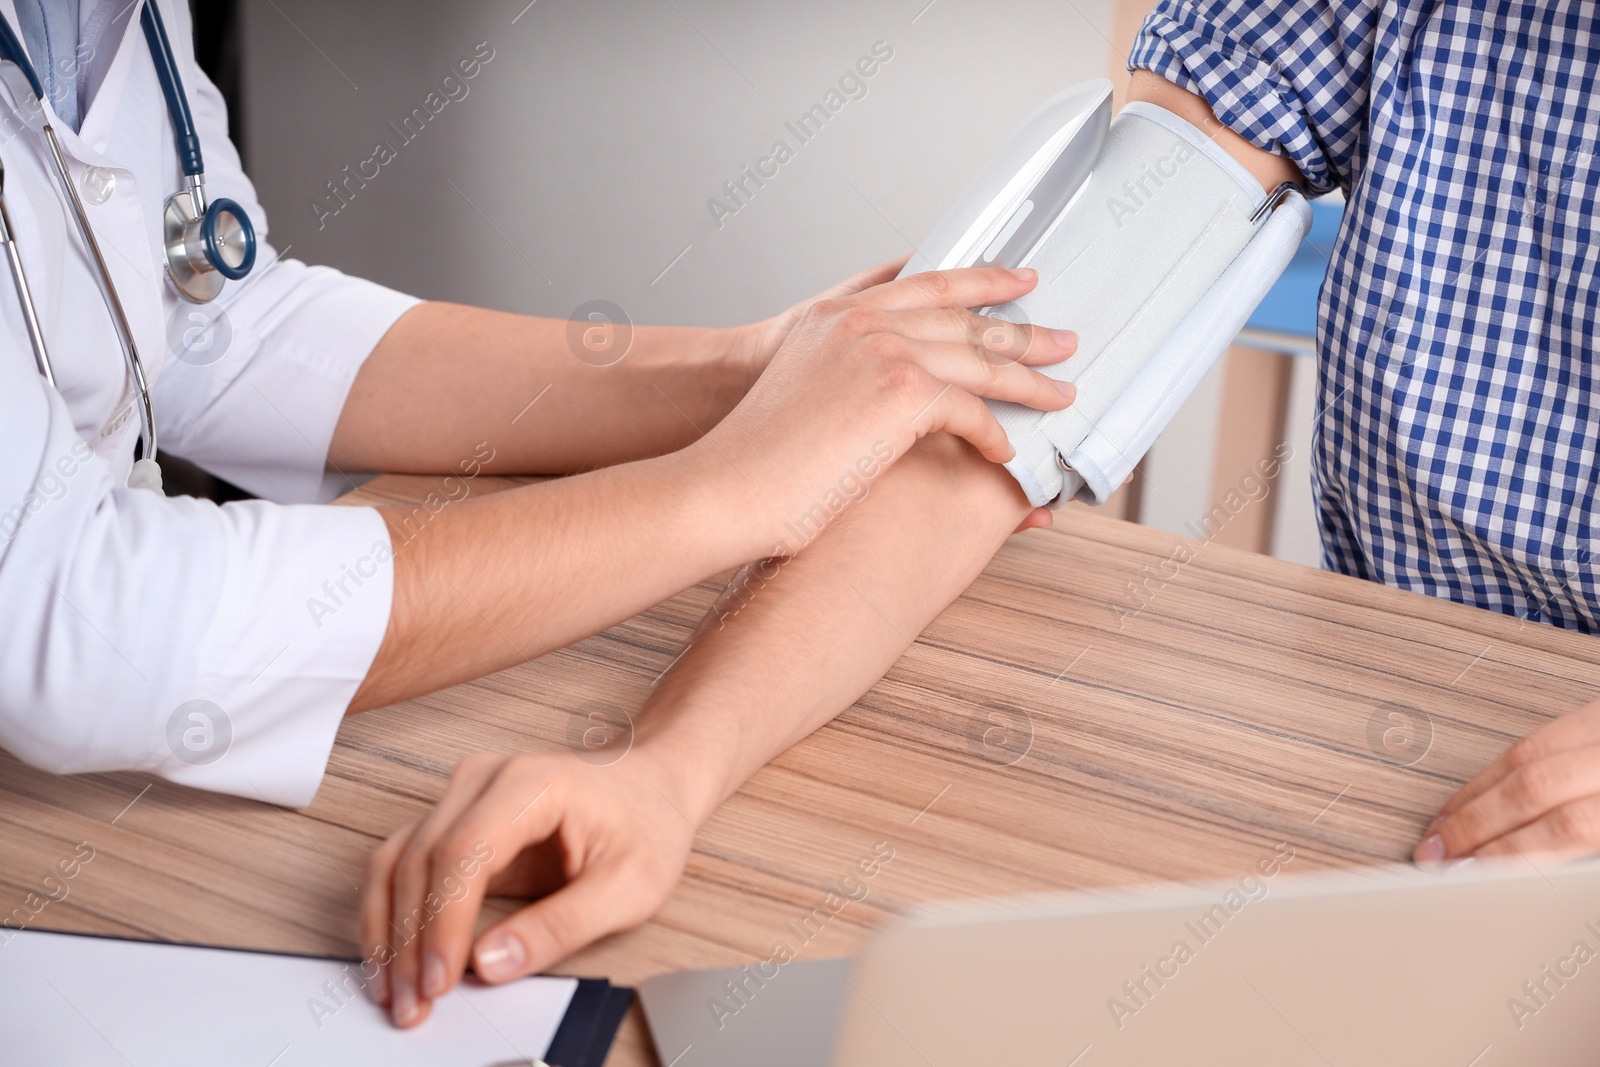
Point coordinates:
[(582, 158), (580, 162)]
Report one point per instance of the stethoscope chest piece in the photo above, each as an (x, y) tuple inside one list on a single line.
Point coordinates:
[(206, 246)]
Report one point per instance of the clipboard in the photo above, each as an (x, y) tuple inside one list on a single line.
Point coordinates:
[(89, 1000)]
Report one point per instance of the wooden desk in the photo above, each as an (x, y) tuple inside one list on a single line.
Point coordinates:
[(1245, 705)]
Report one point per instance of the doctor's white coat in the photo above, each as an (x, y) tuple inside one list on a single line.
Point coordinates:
[(172, 635)]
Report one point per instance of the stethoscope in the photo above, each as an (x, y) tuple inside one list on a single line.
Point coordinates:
[(204, 243)]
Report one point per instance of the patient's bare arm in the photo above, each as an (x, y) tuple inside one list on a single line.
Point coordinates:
[(793, 643), (1270, 170)]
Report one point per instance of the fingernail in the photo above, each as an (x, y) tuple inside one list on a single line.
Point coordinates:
[(1067, 389), (499, 956), (1464, 861), (1026, 274), (1065, 338), (1430, 852), (378, 988), (404, 1011), (435, 979)]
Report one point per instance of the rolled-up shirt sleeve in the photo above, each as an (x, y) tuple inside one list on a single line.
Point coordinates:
[(214, 646), (1291, 77)]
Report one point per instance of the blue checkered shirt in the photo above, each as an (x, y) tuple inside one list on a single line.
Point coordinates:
[(1457, 441)]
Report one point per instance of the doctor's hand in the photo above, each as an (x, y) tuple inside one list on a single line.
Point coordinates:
[(859, 379), (600, 847), (1541, 796), (758, 342)]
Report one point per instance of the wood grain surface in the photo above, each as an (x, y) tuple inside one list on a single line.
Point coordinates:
[(1107, 704)]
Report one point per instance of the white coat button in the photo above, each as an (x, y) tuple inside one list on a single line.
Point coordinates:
[(98, 185)]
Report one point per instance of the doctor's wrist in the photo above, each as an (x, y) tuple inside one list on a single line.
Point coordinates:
[(746, 350), (698, 497)]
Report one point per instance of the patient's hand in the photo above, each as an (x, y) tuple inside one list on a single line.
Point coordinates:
[(600, 847), (1541, 796)]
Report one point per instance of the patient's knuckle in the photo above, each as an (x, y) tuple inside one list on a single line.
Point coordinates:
[(455, 846), (1530, 786), (1526, 751), (411, 873), (1575, 822), (1463, 826), (387, 854), (381, 862)]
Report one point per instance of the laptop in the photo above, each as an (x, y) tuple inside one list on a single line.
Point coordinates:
[(1473, 967)]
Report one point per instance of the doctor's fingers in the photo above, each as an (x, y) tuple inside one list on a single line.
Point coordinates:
[(965, 287), (1574, 730), (418, 894), (996, 340), (960, 366), (1528, 794), (877, 274), (958, 412)]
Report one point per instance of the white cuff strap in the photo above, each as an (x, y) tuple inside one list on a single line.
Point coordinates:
[(1119, 440), (1147, 260)]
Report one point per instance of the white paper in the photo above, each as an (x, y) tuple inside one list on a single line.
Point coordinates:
[(88, 1001)]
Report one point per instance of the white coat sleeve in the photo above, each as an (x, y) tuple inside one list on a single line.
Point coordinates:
[(259, 405), (214, 646)]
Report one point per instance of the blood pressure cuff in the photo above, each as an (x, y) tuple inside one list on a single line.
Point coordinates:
[(1156, 264)]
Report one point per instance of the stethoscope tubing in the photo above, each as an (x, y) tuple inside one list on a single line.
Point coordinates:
[(19, 278), (108, 292), (155, 35), (193, 166)]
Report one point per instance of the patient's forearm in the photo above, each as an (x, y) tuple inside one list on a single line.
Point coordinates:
[(794, 644)]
